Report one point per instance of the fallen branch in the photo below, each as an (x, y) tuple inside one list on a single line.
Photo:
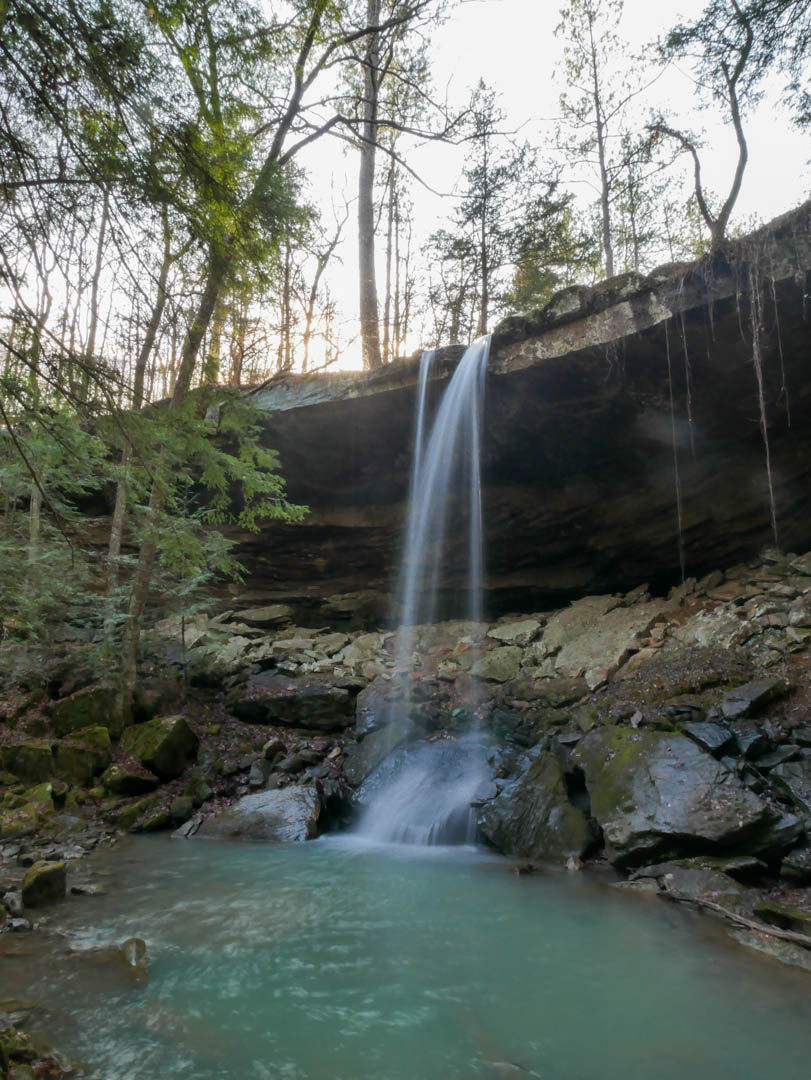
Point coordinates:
[(762, 928)]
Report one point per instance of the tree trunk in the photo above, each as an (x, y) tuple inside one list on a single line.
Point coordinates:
[(605, 187), (215, 279), (119, 512), (369, 326)]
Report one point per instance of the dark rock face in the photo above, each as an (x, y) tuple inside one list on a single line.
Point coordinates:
[(532, 816), (318, 704), (657, 794), (578, 456), (278, 816)]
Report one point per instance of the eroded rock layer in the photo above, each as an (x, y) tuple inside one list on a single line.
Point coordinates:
[(597, 408)]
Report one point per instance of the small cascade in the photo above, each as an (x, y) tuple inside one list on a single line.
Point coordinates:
[(427, 800)]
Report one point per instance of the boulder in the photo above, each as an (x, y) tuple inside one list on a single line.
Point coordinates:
[(533, 818), (30, 760), (95, 706), (368, 754), (318, 704), (659, 795), (281, 816), (77, 759), (43, 882), (269, 615), (125, 779), (164, 745), (498, 665), (376, 704)]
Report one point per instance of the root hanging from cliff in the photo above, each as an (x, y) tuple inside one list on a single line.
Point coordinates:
[(676, 475), (756, 315), (688, 385), (784, 386)]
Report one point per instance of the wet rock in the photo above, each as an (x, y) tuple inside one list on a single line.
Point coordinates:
[(367, 755), (124, 779), (318, 704), (30, 760), (784, 951), (95, 706), (659, 794), (283, 816), (77, 759), (712, 737), (750, 698), (164, 745), (794, 778), (533, 818), (750, 740), (374, 705), (498, 665), (688, 884), (786, 752), (43, 883)]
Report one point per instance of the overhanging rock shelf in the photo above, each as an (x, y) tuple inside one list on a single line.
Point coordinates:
[(578, 451)]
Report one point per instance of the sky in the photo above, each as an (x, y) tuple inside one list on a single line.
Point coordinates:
[(511, 44)]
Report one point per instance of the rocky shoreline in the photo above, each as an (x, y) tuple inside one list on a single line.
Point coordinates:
[(668, 737)]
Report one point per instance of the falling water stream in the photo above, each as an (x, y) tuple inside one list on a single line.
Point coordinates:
[(428, 798)]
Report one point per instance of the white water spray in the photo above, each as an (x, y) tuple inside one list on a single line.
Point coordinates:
[(428, 800)]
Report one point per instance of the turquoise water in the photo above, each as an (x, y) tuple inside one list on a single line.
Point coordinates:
[(334, 961)]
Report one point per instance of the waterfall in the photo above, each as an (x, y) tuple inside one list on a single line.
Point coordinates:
[(427, 798)]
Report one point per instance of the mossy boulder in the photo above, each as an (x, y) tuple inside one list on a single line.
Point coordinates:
[(43, 883), (129, 816), (125, 779), (30, 760), (164, 745), (94, 706), (41, 798), (532, 817), (658, 795), (19, 822), (77, 759)]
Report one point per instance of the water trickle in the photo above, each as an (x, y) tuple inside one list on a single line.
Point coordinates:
[(428, 798)]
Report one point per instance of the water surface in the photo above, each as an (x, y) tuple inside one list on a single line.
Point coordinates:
[(338, 961)]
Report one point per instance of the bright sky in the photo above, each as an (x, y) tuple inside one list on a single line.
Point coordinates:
[(511, 44)]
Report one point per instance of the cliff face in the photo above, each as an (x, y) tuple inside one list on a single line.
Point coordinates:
[(598, 409)]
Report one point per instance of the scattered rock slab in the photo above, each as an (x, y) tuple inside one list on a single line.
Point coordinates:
[(317, 704)]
